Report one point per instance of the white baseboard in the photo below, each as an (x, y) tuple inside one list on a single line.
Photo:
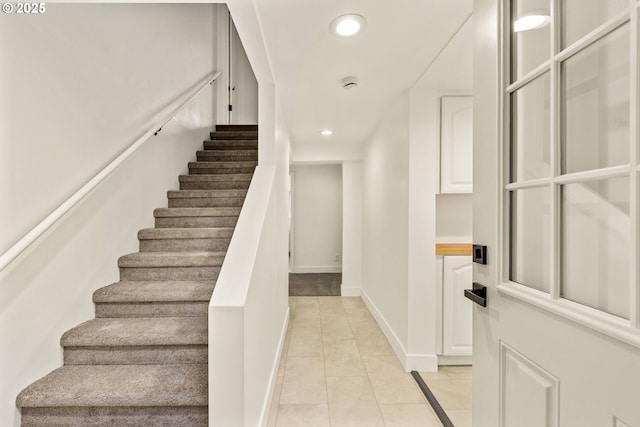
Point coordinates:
[(454, 360), (264, 418), (316, 269), (350, 291), (410, 362)]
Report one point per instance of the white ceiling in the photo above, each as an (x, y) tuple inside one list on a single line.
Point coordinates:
[(401, 40)]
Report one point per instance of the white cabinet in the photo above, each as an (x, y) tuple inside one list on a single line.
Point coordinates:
[(456, 144), (457, 324)]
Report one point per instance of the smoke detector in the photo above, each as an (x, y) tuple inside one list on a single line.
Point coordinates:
[(350, 83)]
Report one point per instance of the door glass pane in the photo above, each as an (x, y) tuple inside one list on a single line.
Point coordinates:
[(595, 105), (596, 243), (530, 234), (580, 17), (530, 120), (529, 48)]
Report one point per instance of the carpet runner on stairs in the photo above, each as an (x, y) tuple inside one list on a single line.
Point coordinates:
[(143, 360)]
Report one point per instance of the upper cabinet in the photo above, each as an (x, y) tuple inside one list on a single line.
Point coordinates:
[(456, 144)]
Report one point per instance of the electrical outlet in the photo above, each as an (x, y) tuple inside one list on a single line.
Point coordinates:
[(337, 258)]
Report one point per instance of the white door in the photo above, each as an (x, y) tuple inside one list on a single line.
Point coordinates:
[(243, 84), (456, 144), (457, 310), (556, 200)]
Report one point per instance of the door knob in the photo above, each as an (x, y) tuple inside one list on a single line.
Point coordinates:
[(478, 294)]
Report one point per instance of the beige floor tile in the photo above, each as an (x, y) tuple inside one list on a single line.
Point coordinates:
[(391, 384), (338, 369), (306, 317), (337, 327), (371, 341), (330, 305), (462, 372), (305, 342), (452, 394), (304, 381), (342, 359), (352, 402), (409, 416), (306, 301), (440, 375), (303, 416), (360, 317), (352, 302), (460, 418)]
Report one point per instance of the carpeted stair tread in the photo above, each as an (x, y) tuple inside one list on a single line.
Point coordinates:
[(161, 291), (242, 177), (206, 198), (215, 181), (196, 212), (227, 155), (231, 144), (119, 385), (223, 165), (156, 331), (238, 127), (185, 233), (171, 259), (179, 194), (235, 134), (207, 168)]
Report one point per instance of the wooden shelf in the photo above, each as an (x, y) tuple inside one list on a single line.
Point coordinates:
[(453, 248)]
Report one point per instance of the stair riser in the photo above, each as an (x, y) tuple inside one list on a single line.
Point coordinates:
[(196, 222), (169, 309), (213, 156), (193, 416), (234, 135), (206, 202), (144, 355), (230, 144), (241, 128), (184, 245), (214, 185), (168, 273), (218, 171)]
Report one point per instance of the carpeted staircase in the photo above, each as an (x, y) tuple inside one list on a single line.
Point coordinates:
[(143, 360)]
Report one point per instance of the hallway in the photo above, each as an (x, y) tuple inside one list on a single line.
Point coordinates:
[(338, 369)]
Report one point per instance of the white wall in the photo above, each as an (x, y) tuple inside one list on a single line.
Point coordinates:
[(317, 218), (351, 228), (96, 78), (244, 93), (400, 224), (385, 208), (454, 218)]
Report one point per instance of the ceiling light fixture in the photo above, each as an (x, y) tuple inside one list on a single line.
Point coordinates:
[(327, 132), (348, 25), (532, 21)]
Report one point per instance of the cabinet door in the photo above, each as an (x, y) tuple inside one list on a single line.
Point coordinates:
[(457, 310), (456, 144)]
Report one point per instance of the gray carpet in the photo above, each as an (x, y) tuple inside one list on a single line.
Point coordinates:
[(315, 284)]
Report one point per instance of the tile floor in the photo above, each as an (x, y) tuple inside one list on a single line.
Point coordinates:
[(451, 385), (338, 369)]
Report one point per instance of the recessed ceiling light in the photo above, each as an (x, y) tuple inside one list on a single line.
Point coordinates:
[(327, 132), (348, 25), (531, 21)]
